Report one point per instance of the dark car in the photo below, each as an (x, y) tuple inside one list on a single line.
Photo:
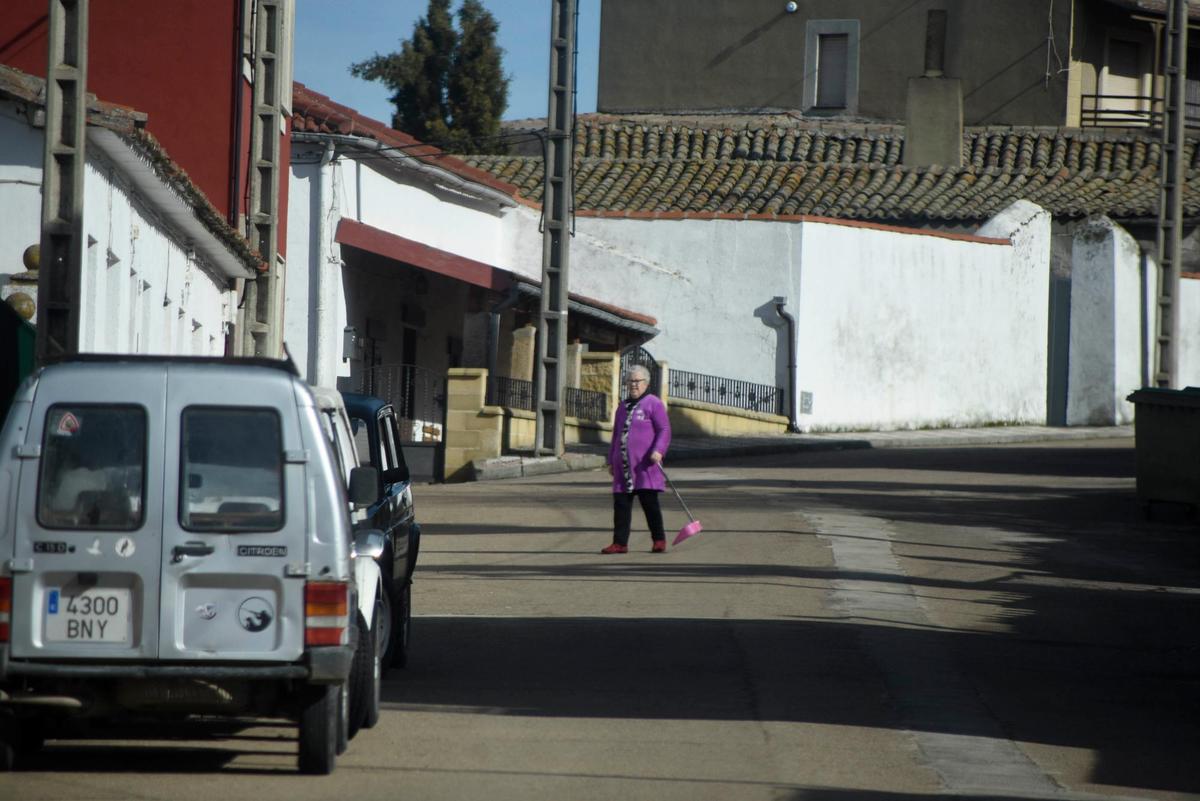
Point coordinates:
[(377, 438)]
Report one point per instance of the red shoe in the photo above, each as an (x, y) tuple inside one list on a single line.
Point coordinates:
[(659, 546), (615, 548)]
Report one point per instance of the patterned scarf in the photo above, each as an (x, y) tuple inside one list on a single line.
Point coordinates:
[(626, 467)]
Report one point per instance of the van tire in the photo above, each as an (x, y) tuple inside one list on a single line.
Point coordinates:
[(375, 684), (317, 750), (360, 674), (343, 721)]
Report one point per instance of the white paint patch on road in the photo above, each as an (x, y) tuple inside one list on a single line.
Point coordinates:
[(952, 727)]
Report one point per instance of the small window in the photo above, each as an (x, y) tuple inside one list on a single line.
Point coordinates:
[(362, 440), (232, 465), (831, 70), (93, 468), (391, 425), (831, 66)]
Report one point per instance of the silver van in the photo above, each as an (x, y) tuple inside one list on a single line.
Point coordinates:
[(174, 539)]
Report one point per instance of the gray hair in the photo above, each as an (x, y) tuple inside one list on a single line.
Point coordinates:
[(638, 371)]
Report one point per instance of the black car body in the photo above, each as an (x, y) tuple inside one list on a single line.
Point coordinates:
[(377, 438)]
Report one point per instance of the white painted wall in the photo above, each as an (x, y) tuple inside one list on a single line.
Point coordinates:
[(142, 290), (895, 329), (1189, 348)]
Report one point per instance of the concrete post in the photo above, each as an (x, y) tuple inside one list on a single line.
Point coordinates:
[(575, 353), (664, 383), (521, 358)]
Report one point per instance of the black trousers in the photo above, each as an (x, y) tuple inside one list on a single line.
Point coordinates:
[(623, 515)]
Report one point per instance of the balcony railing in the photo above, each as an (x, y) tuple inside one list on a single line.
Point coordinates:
[(1131, 111), (585, 404), (511, 393), (727, 392)]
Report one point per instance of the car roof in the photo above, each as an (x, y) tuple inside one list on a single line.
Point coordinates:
[(362, 405)]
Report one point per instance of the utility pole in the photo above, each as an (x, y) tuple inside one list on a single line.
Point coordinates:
[(1170, 199), (557, 206), (60, 272), (263, 302)]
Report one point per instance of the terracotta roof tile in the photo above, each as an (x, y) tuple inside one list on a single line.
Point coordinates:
[(851, 171)]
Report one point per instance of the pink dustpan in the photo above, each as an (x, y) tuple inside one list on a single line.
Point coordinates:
[(691, 529)]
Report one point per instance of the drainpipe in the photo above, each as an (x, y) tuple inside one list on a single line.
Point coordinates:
[(321, 335), (493, 333), (793, 416)]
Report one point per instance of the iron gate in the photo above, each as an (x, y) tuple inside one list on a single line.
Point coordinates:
[(418, 395), (641, 356)]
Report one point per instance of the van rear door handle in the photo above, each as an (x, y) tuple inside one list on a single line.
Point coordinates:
[(191, 549)]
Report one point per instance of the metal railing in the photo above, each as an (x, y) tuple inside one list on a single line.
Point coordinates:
[(585, 404), (511, 393), (1130, 111), (726, 392)]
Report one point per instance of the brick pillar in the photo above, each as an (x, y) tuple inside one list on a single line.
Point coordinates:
[(473, 431), (601, 372), (575, 353)]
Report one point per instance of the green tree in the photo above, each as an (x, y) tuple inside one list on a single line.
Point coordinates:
[(448, 85)]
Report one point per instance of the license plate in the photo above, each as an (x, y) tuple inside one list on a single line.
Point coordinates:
[(97, 614)]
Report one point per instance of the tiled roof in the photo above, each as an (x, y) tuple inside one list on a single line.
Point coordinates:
[(1154, 8), (313, 112), (129, 124), (851, 171)]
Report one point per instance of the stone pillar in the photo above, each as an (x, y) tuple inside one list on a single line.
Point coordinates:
[(473, 430), (1105, 350), (665, 383), (574, 374), (521, 360), (601, 372)]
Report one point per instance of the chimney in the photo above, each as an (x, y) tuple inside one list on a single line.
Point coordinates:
[(934, 127)]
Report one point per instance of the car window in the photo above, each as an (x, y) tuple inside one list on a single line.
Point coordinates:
[(232, 470), (387, 423), (362, 440), (92, 468), (342, 450)]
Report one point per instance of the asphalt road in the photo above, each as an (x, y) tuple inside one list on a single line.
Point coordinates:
[(988, 624)]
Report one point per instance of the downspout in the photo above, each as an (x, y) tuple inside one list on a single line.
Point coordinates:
[(321, 335), (493, 332), (793, 415)]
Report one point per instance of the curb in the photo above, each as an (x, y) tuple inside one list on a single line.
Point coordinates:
[(522, 466)]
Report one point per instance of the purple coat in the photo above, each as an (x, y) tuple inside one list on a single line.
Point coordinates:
[(649, 431)]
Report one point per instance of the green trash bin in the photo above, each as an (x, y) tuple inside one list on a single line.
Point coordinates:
[(1168, 445)]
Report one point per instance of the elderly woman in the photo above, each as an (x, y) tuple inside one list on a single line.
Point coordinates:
[(641, 434)]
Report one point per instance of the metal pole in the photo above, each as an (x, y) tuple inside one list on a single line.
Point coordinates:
[(1170, 207), (557, 199), (60, 272)]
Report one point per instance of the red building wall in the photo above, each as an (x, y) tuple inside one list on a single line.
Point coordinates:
[(180, 63)]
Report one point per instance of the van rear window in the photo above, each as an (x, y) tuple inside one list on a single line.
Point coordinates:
[(232, 465), (92, 467)]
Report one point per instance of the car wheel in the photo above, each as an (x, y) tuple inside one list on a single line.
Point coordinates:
[(386, 625), (318, 736), (403, 627), (360, 674), (374, 687)]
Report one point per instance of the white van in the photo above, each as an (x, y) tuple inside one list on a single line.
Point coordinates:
[(175, 539)]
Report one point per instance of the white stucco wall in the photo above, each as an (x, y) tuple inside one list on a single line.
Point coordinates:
[(895, 329), (142, 290), (1189, 349)]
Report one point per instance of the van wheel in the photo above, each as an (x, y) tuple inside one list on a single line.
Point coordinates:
[(8, 739), (318, 730), (343, 721), (401, 626), (361, 671), (374, 687)]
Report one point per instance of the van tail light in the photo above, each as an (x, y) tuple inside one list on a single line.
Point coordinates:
[(5, 607), (326, 613)]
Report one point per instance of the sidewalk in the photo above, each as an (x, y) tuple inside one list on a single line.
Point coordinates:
[(591, 457)]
